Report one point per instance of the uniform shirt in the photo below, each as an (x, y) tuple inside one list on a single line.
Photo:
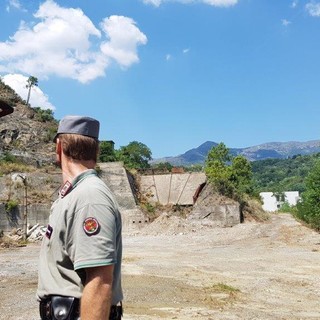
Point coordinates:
[(84, 231)]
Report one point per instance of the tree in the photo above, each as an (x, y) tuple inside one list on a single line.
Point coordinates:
[(242, 175), (217, 170), (44, 115), (231, 176), (135, 155), (31, 82), (163, 166), (219, 153), (107, 152), (309, 208)]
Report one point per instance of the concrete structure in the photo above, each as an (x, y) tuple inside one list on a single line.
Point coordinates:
[(221, 215), (121, 184), (114, 175), (172, 188), (178, 189), (215, 209), (273, 202)]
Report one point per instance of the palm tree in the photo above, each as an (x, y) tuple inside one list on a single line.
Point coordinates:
[(31, 82)]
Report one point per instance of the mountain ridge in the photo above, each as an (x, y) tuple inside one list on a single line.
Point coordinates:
[(268, 150)]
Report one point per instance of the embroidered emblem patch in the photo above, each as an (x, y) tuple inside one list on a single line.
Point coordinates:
[(65, 189), (49, 231), (91, 226)]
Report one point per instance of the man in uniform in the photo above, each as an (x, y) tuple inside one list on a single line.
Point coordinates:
[(80, 258)]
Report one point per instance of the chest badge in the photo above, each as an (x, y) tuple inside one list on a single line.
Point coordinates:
[(91, 226)]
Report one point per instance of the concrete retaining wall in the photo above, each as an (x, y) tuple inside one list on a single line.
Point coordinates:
[(36, 213), (164, 189), (119, 182), (171, 188)]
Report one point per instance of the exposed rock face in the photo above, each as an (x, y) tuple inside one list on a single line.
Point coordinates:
[(22, 134), (221, 211)]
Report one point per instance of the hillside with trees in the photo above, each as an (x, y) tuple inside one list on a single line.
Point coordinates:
[(279, 175)]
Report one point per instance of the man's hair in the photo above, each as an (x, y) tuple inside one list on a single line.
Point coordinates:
[(78, 147)]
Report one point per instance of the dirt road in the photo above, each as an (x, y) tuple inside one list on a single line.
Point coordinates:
[(177, 270)]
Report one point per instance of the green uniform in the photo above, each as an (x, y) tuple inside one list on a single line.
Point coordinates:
[(84, 231)]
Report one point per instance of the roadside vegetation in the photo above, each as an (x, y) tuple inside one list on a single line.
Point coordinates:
[(308, 210), (279, 175)]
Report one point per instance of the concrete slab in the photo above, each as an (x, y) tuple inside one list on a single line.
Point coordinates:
[(148, 188), (172, 188), (176, 188), (162, 183), (193, 182)]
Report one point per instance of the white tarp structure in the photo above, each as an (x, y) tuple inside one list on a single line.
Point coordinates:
[(272, 201)]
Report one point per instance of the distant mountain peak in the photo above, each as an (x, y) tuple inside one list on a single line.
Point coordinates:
[(269, 150)]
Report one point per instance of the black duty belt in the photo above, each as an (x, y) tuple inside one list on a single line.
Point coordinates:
[(68, 308)]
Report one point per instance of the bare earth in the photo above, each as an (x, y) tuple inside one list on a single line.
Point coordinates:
[(178, 270)]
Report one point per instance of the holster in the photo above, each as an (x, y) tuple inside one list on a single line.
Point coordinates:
[(60, 308), (68, 308), (116, 312)]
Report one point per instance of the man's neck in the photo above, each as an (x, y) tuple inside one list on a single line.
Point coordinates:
[(71, 169)]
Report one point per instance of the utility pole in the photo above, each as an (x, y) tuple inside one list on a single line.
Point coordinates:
[(25, 215)]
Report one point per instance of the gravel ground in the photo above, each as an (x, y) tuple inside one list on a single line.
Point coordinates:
[(175, 269)]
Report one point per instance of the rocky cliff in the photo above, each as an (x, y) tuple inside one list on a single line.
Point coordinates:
[(23, 134)]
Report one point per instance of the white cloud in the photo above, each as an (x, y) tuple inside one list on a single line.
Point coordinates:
[(14, 4), (64, 42), (168, 57), (156, 3), (186, 50), (285, 22), (124, 37), (221, 3), (294, 4), (216, 3), (18, 83), (313, 9)]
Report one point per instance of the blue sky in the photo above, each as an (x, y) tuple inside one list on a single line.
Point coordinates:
[(171, 74)]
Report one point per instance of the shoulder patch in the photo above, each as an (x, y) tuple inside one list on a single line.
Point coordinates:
[(91, 226)]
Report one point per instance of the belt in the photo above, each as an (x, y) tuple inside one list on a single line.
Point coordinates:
[(68, 308)]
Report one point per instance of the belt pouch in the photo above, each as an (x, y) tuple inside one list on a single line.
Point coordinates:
[(45, 310), (116, 313), (63, 308)]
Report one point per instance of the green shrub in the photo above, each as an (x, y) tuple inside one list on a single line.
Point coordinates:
[(309, 207), (9, 157), (43, 115), (285, 207), (11, 205)]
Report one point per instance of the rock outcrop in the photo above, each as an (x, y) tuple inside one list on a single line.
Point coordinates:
[(23, 134)]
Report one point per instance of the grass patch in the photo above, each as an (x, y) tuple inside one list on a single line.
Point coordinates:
[(221, 294), (9, 167), (222, 287)]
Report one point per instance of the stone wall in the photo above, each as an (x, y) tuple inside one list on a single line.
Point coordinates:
[(36, 213)]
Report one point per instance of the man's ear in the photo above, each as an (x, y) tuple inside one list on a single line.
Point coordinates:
[(58, 147)]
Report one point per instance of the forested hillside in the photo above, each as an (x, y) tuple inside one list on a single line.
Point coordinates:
[(280, 175)]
